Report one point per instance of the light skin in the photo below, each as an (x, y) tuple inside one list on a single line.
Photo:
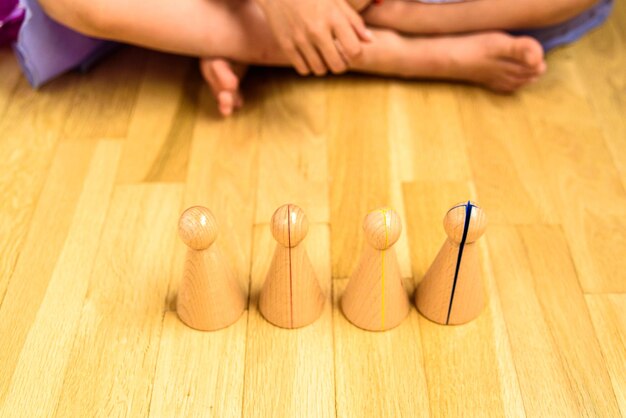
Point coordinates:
[(416, 18), (470, 16), (238, 31), (316, 35)]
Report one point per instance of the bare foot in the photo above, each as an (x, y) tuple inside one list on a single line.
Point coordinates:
[(496, 60), (223, 77)]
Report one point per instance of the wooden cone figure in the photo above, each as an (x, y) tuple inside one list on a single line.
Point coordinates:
[(452, 289), (291, 296), (209, 297), (375, 298)]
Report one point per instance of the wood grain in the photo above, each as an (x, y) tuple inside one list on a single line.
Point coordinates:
[(211, 383), (293, 151), (609, 320), (9, 77), (563, 305), (114, 356), (30, 127), (378, 373), (64, 294), (226, 185), (37, 262), (105, 96), (437, 150), (605, 89), (590, 195), (504, 159), (358, 164), (159, 132), (96, 168), (543, 379)]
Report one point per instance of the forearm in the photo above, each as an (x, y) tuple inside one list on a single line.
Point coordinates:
[(477, 15)]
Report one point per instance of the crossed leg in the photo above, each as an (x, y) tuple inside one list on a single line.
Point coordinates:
[(495, 60), (470, 16), (237, 31)]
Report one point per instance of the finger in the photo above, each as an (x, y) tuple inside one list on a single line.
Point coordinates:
[(313, 58), (331, 55), (294, 57), (357, 23), (347, 39)]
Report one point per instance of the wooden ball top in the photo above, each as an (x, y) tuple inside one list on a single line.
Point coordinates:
[(455, 222), (197, 228), (289, 225), (382, 228)]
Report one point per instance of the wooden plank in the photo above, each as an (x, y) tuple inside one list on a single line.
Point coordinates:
[(468, 367), (401, 168), (223, 170), (29, 126), (42, 247), (504, 158), (358, 163), (544, 382), (42, 364), (111, 368), (199, 373), (25, 165), (605, 85), (618, 18), (507, 372), (608, 313), (461, 368), (293, 155), (428, 117), (38, 114), (378, 374), (565, 312), (590, 197), (211, 382), (289, 372), (105, 96), (159, 133), (9, 76)]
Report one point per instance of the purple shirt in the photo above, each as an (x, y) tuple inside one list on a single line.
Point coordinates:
[(11, 17), (45, 48)]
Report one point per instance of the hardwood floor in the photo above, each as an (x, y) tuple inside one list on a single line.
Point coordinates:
[(96, 168)]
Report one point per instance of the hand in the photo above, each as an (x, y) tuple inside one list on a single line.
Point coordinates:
[(316, 35)]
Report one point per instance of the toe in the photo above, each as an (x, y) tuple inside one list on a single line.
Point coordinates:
[(209, 76), (225, 75), (515, 69), (528, 51), (543, 67), (508, 83)]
